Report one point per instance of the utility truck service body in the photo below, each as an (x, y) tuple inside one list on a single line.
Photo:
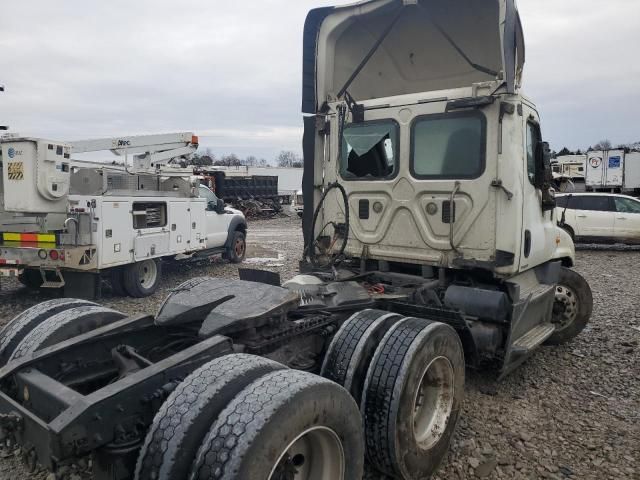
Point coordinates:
[(63, 222), (431, 244)]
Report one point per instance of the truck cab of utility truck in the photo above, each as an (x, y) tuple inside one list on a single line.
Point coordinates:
[(424, 157)]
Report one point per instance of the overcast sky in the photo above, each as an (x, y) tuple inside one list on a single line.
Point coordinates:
[(231, 71)]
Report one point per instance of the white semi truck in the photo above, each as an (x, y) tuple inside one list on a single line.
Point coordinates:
[(63, 223)]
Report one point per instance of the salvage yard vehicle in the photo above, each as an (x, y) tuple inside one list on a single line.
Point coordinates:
[(64, 223), (600, 217), (431, 243)]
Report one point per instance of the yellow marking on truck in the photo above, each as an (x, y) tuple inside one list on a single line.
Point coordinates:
[(45, 238), (15, 171)]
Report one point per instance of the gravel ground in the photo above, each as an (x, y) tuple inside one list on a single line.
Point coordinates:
[(569, 412)]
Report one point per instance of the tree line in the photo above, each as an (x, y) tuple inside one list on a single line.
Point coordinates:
[(285, 158), (601, 145)]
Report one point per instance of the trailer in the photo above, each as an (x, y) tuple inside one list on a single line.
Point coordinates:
[(66, 224), (256, 196), (431, 244)]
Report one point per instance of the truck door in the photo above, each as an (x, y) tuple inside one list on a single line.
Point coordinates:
[(539, 227), (217, 223), (614, 166), (117, 234), (595, 169), (179, 221)]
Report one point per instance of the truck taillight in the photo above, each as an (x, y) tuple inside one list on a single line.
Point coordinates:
[(53, 255)]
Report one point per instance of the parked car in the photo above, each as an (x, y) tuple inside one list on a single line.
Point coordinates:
[(600, 217)]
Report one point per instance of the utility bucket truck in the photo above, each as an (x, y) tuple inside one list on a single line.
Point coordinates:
[(64, 222), (431, 243)]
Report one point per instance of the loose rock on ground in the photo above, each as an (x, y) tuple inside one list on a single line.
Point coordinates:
[(570, 412)]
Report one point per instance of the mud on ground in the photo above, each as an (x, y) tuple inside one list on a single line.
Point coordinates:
[(570, 412)]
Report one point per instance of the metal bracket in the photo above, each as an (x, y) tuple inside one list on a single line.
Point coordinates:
[(497, 183)]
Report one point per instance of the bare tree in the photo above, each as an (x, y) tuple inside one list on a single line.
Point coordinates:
[(250, 161), (231, 160), (263, 162), (289, 159), (603, 145)]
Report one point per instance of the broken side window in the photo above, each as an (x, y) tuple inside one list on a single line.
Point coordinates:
[(370, 151)]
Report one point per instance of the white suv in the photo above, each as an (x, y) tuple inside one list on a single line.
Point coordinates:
[(599, 217)]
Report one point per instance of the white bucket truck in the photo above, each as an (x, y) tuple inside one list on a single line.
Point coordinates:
[(63, 222)]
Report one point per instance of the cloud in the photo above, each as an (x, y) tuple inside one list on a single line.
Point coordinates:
[(231, 71)]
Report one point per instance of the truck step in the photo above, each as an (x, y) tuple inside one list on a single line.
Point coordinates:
[(58, 284), (533, 338)]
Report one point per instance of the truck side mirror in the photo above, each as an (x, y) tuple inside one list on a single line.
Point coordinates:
[(219, 208)]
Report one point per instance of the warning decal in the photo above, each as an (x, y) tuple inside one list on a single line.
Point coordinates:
[(15, 171)]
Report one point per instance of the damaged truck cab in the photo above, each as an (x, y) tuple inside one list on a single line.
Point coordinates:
[(415, 111)]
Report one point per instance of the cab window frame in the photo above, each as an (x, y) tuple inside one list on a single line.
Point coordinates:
[(532, 122), (396, 151), (482, 167)]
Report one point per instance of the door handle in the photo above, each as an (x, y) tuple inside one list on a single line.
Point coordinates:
[(582, 216), (621, 218)]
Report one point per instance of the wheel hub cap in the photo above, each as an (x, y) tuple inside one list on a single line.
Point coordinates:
[(316, 454), (433, 403), (565, 308)]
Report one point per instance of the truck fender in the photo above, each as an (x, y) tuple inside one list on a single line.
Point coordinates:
[(237, 223), (565, 248)]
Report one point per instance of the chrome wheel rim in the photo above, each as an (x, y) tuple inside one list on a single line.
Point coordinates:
[(565, 307), (316, 454), (433, 403), (148, 273)]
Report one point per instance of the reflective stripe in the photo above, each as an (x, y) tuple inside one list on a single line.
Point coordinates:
[(29, 237)]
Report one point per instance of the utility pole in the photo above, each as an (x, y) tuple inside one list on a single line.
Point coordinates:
[(3, 127)]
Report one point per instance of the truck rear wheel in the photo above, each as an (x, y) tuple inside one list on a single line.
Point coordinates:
[(237, 250), (288, 424), (412, 398), (63, 326), (186, 416), (142, 279), (572, 308), (350, 352), (17, 329)]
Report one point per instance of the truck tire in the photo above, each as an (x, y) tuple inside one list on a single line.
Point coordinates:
[(63, 326), (573, 307), (412, 398), (237, 249), (142, 279), (186, 416), (350, 352), (18, 328), (116, 278), (287, 424)]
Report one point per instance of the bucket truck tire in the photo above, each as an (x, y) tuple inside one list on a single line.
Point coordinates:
[(63, 326), (287, 424), (142, 279), (572, 308), (412, 398), (14, 332), (186, 416), (116, 278), (237, 249), (350, 352)]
